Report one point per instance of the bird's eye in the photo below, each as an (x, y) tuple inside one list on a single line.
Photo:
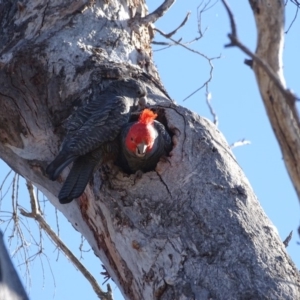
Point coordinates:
[(131, 139), (141, 93)]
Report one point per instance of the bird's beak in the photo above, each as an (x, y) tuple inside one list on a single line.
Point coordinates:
[(142, 102), (140, 150)]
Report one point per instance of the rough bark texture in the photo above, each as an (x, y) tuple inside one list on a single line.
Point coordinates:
[(280, 104), (191, 229)]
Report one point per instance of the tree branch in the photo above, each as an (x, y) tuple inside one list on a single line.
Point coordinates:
[(181, 25), (267, 65), (212, 111), (288, 239), (158, 13)]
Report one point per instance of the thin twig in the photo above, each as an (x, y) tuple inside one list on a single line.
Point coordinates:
[(297, 3), (294, 19), (3, 194), (208, 100), (165, 44), (231, 18), (17, 231), (105, 274), (180, 44), (288, 239), (162, 44), (168, 36), (181, 25), (199, 15), (36, 214), (172, 44), (6, 176), (196, 52), (208, 80)]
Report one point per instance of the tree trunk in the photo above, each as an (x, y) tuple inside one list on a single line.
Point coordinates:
[(280, 103), (191, 229)]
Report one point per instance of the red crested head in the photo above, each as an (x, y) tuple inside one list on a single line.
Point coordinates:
[(147, 116), (142, 134)]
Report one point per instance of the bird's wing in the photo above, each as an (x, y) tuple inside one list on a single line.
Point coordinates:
[(130, 88), (82, 114), (102, 126), (78, 178), (83, 168)]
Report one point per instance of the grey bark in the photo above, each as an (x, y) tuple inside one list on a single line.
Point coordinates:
[(280, 103), (191, 229), (11, 287)]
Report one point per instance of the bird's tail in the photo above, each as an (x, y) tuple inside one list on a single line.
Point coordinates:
[(77, 179), (57, 165)]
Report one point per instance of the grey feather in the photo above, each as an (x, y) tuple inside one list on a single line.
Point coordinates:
[(77, 179), (83, 168), (98, 122)]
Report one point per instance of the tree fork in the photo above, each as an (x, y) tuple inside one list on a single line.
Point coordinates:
[(192, 229)]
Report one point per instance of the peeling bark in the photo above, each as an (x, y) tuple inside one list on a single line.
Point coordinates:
[(191, 229)]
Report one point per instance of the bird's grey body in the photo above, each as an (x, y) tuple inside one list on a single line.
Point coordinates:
[(92, 127)]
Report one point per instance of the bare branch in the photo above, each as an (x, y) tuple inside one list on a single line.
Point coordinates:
[(180, 44), (105, 274), (288, 239), (231, 18), (2, 195), (196, 52), (184, 45), (17, 224), (36, 214), (208, 100), (200, 11), (181, 25), (158, 13), (5, 178), (297, 3), (161, 44), (294, 19), (208, 80)]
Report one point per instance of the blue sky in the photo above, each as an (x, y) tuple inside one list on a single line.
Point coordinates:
[(241, 114)]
